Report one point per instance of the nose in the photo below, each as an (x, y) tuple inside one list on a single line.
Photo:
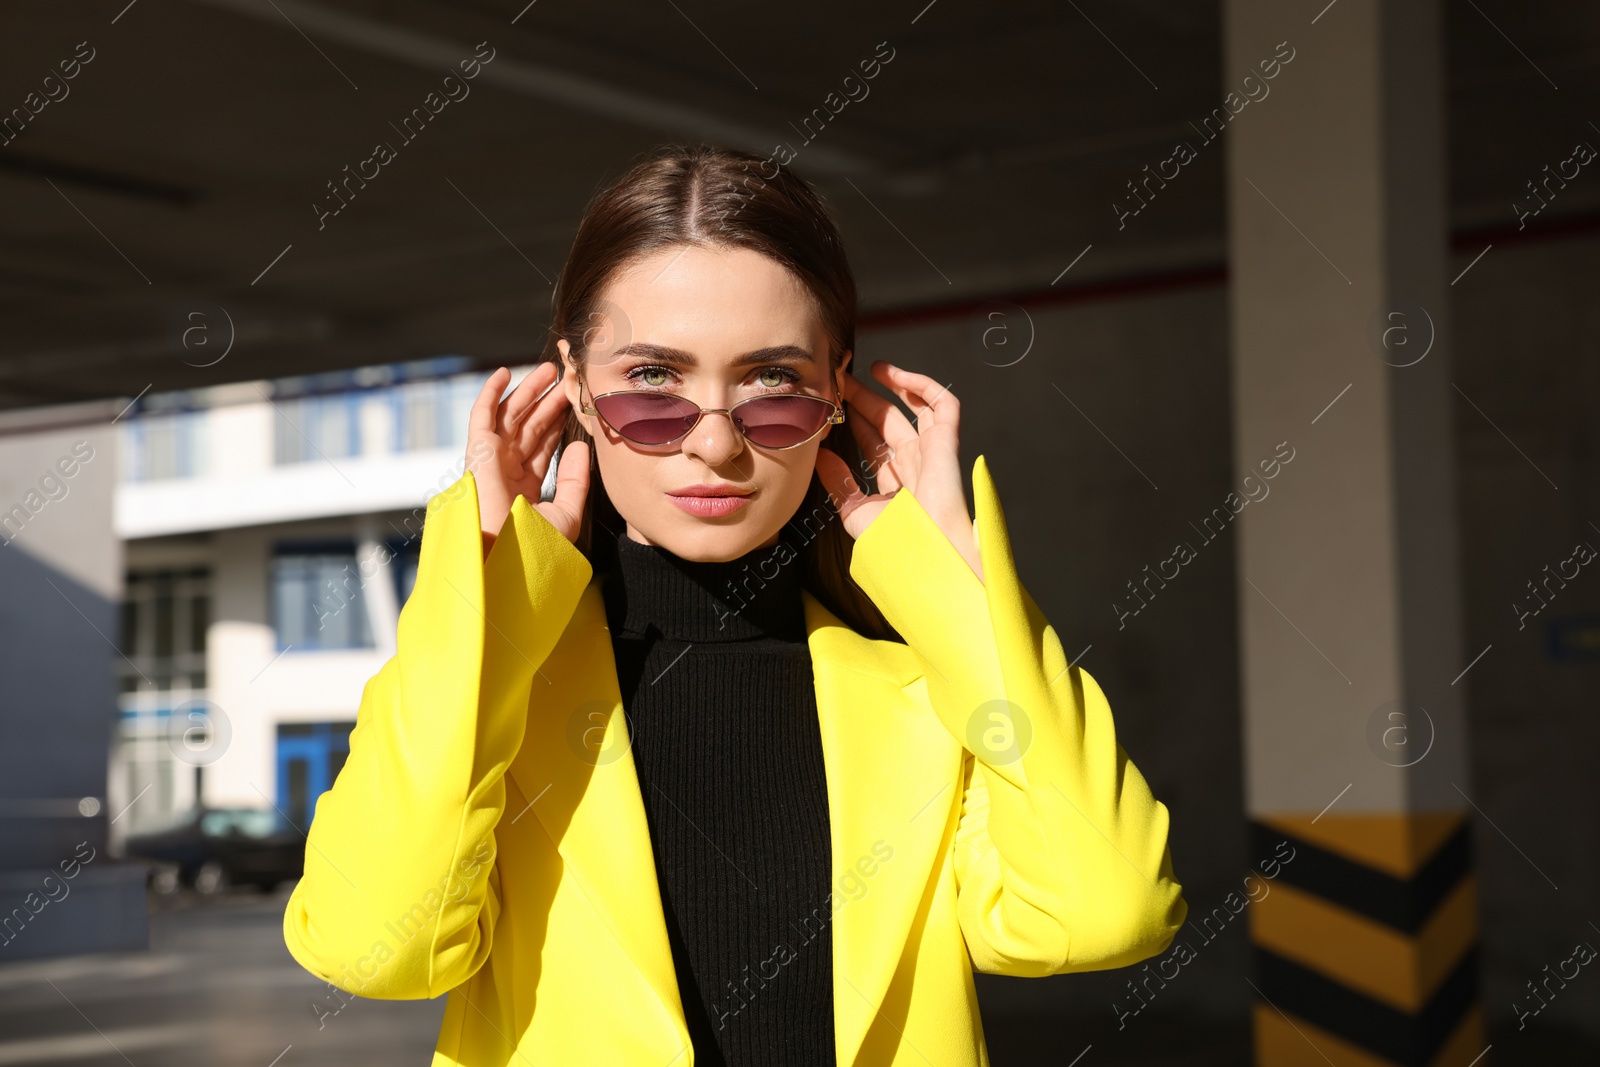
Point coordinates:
[(715, 440)]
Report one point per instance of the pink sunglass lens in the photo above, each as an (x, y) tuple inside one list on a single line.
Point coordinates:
[(646, 418), (772, 422), (782, 421)]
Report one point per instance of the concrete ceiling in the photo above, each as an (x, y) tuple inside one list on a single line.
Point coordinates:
[(179, 173)]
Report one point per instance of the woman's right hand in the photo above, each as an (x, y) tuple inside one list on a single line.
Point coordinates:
[(509, 446)]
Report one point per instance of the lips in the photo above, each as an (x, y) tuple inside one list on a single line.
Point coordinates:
[(709, 491), (710, 501)]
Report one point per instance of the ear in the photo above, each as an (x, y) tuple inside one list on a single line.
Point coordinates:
[(570, 384), (839, 375)]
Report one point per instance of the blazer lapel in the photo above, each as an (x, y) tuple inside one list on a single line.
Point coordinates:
[(576, 766), (892, 771)]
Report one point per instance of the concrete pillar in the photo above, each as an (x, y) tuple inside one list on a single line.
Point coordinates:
[(1355, 746)]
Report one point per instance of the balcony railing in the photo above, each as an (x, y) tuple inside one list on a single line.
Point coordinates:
[(372, 411)]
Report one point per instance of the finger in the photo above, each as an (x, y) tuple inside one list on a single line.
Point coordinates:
[(541, 422), (880, 457), (880, 452), (538, 447), (572, 478), (924, 395), (874, 449), (840, 483), (534, 384), (888, 421), (481, 420)]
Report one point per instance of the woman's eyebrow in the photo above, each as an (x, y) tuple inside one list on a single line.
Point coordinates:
[(678, 357)]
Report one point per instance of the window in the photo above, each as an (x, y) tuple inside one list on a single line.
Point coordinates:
[(144, 749), (165, 614), (312, 428), (317, 599), (403, 556), (162, 446), (432, 413)]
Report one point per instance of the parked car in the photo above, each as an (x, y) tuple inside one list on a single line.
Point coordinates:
[(213, 848)]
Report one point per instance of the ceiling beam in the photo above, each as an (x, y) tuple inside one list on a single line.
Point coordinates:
[(544, 81)]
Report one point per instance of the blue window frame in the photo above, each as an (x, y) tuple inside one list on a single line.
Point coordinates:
[(310, 756), (317, 597)]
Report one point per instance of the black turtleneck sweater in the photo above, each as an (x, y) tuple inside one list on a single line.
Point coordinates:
[(716, 681)]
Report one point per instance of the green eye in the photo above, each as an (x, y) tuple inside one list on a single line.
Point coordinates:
[(645, 373), (772, 372)]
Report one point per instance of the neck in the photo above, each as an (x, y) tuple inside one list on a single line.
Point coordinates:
[(757, 595)]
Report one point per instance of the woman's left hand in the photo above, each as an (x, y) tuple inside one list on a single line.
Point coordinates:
[(923, 459)]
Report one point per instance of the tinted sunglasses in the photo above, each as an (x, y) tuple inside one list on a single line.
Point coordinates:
[(776, 421)]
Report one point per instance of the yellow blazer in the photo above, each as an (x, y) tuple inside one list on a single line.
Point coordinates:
[(486, 837)]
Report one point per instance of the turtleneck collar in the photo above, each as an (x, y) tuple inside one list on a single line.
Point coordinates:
[(757, 595)]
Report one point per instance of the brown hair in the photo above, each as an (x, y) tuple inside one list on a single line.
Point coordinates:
[(723, 198)]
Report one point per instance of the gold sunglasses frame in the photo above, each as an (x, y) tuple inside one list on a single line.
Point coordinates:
[(834, 419)]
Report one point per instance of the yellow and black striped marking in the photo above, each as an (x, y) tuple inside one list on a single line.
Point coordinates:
[(1366, 949)]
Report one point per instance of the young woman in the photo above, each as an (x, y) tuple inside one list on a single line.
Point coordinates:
[(744, 744)]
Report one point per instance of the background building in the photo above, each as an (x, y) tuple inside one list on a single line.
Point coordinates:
[(270, 535)]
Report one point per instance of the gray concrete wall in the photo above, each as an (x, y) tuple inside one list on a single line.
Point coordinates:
[(60, 583), (1105, 441), (1526, 323), (1151, 373)]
